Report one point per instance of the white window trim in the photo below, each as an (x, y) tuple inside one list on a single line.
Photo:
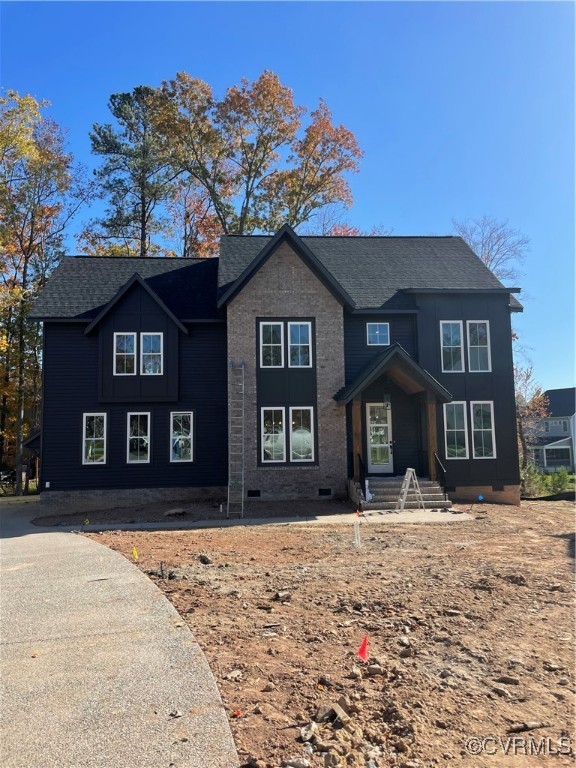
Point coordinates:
[(300, 322), (302, 408), (460, 323), (369, 343), (272, 322), (126, 333), (487, 322), (272, 408), (456, 458), (493, 430), (138, 413), (94, 463), (182, 413), (152, 333)]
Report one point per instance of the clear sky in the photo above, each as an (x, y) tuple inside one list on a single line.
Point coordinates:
[(462, 109)]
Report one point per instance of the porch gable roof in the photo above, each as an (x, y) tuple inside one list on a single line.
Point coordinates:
[(401, 368)]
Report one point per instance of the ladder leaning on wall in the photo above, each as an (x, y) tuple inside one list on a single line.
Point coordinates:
[(236, 415)]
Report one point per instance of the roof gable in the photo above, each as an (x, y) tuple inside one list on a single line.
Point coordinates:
[(286, 234), (561, 402), (135, 280)]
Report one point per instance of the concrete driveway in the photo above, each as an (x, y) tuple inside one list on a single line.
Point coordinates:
[(98, 669)]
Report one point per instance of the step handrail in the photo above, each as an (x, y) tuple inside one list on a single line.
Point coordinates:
[(442, 479)]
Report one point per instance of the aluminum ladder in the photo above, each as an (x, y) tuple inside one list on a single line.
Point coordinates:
[(409, 479), (236, 416)]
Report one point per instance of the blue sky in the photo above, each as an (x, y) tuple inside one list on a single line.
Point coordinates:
[(462, 109)]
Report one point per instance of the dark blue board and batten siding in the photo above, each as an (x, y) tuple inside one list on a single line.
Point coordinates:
[(496, 386), (71, 379), (357, 351)]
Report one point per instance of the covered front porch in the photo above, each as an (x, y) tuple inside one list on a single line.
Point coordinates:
[(392, 417)]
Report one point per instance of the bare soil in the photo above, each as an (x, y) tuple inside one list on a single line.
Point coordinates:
[(470, 631)]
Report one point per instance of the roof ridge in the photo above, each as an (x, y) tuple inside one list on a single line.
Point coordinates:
[(174, 259)]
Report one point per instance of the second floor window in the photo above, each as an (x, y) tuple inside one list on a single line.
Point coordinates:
[(452, 346), (151, 354), (124, 354), (300, 354), (378, 334), (271, 345), (478, 346), (285, 343)]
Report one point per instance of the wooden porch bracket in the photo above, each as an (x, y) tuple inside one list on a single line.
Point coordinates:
[(432, 433), (357, 436)]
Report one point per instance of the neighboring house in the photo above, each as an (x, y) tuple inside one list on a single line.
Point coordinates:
[(359, 355), (554, 444)]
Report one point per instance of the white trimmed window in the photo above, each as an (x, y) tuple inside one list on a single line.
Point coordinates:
[(483, 439), (151, 354), (273, 435), (94, 438), (299, 345), (181, 436), (124, 354), (378, 334), (138, 442), (479, 357), (271, 345), (301, 434), (455, 430), (452, 346)]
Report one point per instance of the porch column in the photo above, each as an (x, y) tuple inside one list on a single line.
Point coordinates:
[(356, 436), (432, 434)]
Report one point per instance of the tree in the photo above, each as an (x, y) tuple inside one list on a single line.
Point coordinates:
[(248, 155), (531, 408), (192, 226), (135, 176), (502, 248), (40, 191)]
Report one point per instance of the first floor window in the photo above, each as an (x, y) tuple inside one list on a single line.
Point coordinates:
[(483, 442), (271, 345), (273, 436), (455, 431), (151, 354), (181, 437), (301, 434), (138, 438), (478, 346), (378, 334), (452, 343), (94, 438), (124, 354), (299, 347)]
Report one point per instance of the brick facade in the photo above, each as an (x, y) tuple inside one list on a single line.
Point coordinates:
[(285, 287)]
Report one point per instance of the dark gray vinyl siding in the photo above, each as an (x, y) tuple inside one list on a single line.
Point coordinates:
[(358, 353), (71, 389), (496, 386)]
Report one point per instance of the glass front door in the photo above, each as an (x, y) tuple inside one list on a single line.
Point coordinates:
[(379, 434)]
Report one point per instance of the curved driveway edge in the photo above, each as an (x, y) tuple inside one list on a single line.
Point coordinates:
[(98, 668)]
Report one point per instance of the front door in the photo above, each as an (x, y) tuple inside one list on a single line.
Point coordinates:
[(379, 437)]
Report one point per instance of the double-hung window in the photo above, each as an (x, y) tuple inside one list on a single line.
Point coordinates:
[(138, 447), (452, 346), (151, 354), (94, 438), (276, 429), (378, 334), (181, 436), (299, 345), (483, 440), (271, 345), (479, 346), (124, 354), (455, 430)]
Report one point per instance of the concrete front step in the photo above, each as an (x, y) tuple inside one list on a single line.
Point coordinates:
[(392, 482), (378, 495), (390, 506)]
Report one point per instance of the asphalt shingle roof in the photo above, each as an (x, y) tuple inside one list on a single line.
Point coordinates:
[(561, 402), (373, 270), (82, 285)]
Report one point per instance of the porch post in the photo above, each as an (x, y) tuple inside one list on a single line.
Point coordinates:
[(356, 436), (432, 434)]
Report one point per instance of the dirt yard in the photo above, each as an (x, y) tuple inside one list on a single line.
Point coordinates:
[(469, 624)]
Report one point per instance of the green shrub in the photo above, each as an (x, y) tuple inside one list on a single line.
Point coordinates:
[(559, 480), (533, 482)]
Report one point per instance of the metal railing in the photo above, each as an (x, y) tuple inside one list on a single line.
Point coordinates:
[(362, 474), (441, 475)]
